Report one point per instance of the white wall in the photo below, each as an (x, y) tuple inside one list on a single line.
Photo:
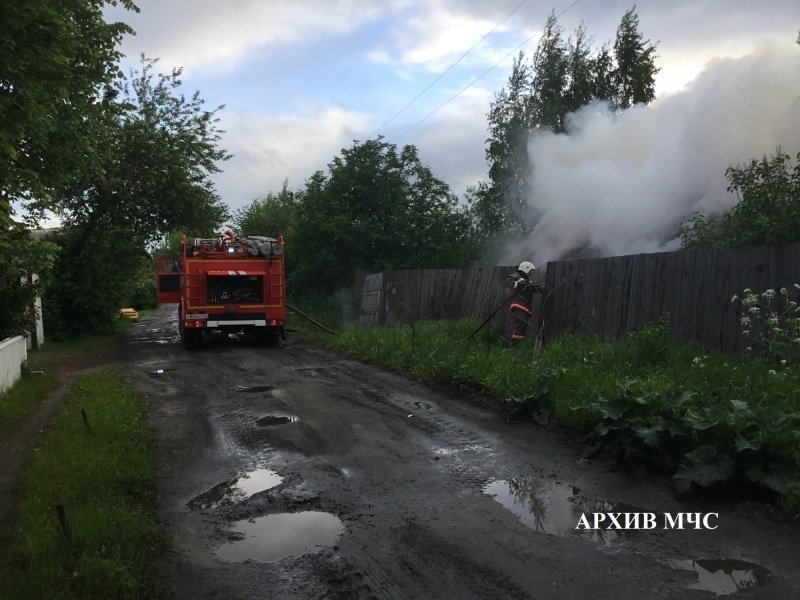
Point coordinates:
[(39, 327), (12, 353)]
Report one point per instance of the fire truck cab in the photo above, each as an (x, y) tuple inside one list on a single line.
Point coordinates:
[(232, 284)]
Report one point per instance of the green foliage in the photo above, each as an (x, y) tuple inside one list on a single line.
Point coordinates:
[(705, 419), (563, 76), (58, 62), (59, 67), (336, 311), (92, 278), (105, 480), (159, 152), (768, 210), (271, 216), (634, 75), (771, 322), (378, 208), (24, 256)]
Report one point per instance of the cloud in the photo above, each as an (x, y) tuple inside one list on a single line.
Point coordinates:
[(620, 183), (269, 149), (206, 33), (453, 145)]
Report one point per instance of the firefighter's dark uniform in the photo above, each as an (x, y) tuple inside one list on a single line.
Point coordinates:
[(521, 305)]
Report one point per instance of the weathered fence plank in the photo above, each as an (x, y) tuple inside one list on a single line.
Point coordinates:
[(612, 296), (608, 296)]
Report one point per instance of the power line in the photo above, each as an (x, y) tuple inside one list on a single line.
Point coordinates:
[(450, 68), (477, 79)]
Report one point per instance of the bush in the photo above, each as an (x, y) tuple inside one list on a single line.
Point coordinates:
[(704, 419)]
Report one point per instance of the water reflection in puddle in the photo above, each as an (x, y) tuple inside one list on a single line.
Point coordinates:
[(723, 576), (236, 489), (255, 389), (552, 507), (270, 538)]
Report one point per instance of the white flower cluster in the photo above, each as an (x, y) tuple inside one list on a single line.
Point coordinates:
[(770, 320)]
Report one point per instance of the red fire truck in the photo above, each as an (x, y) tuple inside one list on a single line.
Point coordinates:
[(230, 283)]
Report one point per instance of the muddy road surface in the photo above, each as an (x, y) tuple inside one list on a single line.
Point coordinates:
[(290, 472)]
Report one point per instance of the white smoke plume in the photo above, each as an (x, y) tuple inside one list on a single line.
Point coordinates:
[(619, 183)]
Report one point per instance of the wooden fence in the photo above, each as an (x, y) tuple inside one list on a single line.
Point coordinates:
[(612, 296), (608, 296), (409, 296)]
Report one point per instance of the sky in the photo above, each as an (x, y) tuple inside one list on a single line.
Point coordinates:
[(300, 80)]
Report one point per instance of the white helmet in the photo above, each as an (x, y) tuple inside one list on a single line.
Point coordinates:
[(526, 267)]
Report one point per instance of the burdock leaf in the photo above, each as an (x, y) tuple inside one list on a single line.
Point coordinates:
[(704, 466), (778, 482), (747, 443)]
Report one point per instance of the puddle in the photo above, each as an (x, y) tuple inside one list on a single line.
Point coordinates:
[(272, 420), (271, 538), (552, 507), (723, 576), (236, 489), (423, 406), (255, 389)]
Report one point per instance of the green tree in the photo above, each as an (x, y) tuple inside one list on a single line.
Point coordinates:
[(768, 210), (59, 64), (159, 151), (582, 75), (562, 77), (92, 279), (272, 215), (634, 75), (501, 206), (377, 208), (551, 64)]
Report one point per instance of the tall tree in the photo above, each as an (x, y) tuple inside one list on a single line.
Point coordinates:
[(550, 78), (562, 77), (635, 72), (272, 215), (582, 78), (377, 208), (510, 120), (59, 64), (159, 150)]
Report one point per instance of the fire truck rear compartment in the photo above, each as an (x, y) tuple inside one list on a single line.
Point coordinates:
[(235, 289)]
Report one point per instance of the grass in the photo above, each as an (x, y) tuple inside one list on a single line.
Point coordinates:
[(32, 388), (705, 419), (104, 479), (56, 350), (16, 402)]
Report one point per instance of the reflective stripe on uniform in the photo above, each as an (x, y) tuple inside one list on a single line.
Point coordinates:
[(517, 336), (525, 309)]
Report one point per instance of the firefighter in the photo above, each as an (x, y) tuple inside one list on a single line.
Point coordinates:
[(521, 307)]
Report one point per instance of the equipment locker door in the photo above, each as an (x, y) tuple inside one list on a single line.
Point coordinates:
[(168, 272)]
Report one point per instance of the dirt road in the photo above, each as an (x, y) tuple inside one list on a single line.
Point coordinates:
[(290, 472)]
